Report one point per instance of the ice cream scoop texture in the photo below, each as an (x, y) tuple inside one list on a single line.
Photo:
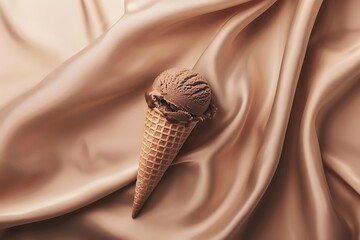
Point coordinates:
[(182, 96)]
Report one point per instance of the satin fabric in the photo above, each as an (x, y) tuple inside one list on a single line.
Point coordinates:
[(279, 161)]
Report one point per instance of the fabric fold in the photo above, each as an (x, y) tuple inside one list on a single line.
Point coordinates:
[(278, 161)]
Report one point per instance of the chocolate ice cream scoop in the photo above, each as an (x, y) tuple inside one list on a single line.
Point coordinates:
[(181, 95)]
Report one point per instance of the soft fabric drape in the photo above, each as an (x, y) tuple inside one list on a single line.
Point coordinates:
[(281, 159)]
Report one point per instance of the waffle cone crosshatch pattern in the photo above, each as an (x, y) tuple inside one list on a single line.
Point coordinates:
[(161, 143)]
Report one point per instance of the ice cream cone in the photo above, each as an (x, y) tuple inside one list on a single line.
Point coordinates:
[(161, 143), (177, 100)]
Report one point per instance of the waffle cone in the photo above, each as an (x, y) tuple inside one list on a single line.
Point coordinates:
[(161, 143)]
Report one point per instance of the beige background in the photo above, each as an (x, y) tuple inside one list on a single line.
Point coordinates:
[(279, 161)]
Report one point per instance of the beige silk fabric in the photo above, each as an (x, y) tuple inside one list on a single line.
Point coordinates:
[(281, 159)]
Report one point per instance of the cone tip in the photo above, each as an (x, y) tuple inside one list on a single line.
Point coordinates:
[(134, 213)]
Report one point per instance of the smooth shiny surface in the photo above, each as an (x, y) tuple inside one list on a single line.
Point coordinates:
[(280, 160)]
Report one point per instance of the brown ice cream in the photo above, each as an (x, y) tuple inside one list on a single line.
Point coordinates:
[(182, 96), (178, 100)]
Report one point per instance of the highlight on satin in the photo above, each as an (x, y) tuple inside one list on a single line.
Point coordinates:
[(279, 160)]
